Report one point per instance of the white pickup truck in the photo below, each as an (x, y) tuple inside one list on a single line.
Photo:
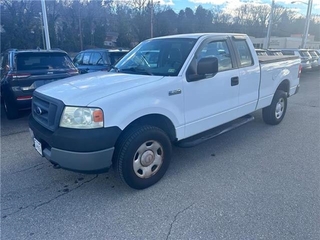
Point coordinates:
[(181, 89)]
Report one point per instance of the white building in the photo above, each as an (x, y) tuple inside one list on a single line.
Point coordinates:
[(285, 42)]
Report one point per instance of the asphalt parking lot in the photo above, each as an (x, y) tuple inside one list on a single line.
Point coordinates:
[(256, 182)]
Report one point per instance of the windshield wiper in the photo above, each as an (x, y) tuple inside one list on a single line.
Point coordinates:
[(136, 70), (115, 68)]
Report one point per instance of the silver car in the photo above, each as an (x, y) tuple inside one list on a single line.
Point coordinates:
[(315, 58), (304, 55)]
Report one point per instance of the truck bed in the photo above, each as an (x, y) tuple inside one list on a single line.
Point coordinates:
[(272, 59)]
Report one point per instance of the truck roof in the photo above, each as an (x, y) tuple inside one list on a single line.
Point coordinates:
[(198, 35)]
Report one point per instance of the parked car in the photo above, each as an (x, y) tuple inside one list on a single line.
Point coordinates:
[(193, 88), (22, 71), (274, 52), (93, 60), (315, 58), (318, 53), (302, 54), (261, 52)]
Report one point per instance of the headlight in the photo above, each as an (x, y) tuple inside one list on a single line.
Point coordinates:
[(81, 117)]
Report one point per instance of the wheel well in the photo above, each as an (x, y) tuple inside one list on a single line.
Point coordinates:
[(284, 86), (156, 120)]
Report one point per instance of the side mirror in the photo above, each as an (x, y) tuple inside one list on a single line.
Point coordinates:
[(206, 66)]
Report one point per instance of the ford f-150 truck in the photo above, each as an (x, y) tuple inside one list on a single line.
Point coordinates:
[(181, 89)]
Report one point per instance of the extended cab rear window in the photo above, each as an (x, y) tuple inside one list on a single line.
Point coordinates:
[(40, 61), (244, 52)]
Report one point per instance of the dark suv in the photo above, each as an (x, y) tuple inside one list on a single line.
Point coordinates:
[(22, 71), (93, 60)]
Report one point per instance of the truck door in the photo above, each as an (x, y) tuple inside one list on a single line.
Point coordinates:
[(249, 75), (212, 100)]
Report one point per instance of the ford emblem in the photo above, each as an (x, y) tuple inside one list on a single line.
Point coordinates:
[(38, 110)]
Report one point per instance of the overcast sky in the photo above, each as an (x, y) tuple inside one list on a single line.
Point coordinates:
[(178, 5)]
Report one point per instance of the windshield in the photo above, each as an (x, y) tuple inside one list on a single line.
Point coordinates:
[(162, 57)]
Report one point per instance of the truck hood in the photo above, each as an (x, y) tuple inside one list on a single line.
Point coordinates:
[(83, 89)]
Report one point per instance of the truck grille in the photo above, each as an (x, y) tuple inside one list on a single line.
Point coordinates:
[(46, 110)]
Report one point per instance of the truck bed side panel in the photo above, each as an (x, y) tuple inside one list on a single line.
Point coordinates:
[(273, 73)]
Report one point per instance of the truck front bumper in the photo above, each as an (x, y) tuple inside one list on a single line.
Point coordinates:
[(79, 150), (86, 162)]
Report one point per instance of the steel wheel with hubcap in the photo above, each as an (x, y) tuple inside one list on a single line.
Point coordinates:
[(142, 156), (148, 159), (279, 108), (274, 113)]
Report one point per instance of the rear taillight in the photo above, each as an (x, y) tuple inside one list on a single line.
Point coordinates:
[(19, 75), (300, 69), (24, 98)]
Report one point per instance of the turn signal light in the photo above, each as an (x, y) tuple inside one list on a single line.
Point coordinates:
[(97, 116)]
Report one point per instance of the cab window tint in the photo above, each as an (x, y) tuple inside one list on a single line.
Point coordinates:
[(244, 53), (219, 50)]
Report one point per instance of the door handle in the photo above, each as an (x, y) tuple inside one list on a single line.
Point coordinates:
[(234, 81), (174, 92)]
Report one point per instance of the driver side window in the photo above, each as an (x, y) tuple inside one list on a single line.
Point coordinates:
[(219, 50), (214, 49)]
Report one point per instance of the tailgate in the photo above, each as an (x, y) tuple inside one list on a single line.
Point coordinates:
[(29, 80), (34, 69)]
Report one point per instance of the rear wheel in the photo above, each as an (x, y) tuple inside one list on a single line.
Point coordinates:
[(10, 109), (142, 156), (274, 113)]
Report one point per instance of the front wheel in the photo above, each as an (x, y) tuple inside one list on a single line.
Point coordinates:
[(142, 156), (274, 113)]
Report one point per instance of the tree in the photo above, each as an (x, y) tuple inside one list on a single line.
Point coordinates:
[(203, 20), (76, 25), (20, 25), (123, 22), (166, 22)]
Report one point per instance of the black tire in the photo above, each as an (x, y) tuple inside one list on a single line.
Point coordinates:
[(274, 113), (11, 110), (138, 138)]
